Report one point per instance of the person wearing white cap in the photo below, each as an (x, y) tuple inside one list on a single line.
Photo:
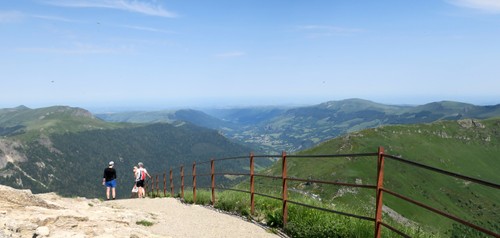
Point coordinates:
[(109, 179)]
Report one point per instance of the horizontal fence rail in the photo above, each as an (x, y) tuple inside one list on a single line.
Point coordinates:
[(152, 185), (441, 171)]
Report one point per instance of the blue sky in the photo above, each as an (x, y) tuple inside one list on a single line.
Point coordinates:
[(181, 53)]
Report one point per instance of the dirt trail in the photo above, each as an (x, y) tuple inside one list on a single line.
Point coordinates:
[(23, 214), (175, 219)]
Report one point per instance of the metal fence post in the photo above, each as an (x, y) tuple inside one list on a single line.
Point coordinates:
[(157, 188), (284, 188), (151, 186), (380, 186), (212, 177), (182, 182), (252, 185), (171, 183), (194, 182), (164, 184), (146, 181)]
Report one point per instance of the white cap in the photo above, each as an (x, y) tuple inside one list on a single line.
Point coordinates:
[(111, 163)]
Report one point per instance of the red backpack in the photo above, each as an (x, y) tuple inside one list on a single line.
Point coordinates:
[(143, 174)]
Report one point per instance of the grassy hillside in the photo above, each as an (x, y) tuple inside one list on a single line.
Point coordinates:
[(247, 116), (467, 147), (193, 116), (57, 119), (458, 109)]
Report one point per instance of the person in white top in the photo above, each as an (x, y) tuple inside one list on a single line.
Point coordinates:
[(140, 177), (135, 189)]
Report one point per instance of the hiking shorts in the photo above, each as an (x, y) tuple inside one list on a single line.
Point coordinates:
[(140, 183), (111, 184)]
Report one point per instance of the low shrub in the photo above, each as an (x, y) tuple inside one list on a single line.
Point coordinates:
[(144, 223)]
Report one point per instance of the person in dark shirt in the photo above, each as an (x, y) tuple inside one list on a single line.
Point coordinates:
[(109, 179)]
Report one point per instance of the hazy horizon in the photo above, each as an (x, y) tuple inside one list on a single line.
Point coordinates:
[(103, 107)]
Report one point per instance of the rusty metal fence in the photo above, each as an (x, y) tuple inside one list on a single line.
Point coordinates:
[(152, 186)]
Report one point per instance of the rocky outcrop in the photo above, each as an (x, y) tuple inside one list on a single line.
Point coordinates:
[(469, 123), (9, 152), (23, 214)]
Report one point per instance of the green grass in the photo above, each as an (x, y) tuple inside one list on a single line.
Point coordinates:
[(158, 194), (302, 221), (144, 223), (203, 197)]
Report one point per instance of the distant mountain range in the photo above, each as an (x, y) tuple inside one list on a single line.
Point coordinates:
[(65, 150), (275, 129)]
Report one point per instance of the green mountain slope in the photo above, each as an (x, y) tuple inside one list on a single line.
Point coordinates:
[(247, 116), (467, 147), (58, 119), (65, 150), (193, 116)]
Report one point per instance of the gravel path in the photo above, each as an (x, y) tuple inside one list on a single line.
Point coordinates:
[(175, 219), (23, 214)]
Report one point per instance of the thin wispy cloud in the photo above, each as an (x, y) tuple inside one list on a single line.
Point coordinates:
[(489, 6), (11, 16), (231, 54), (75, 49), (54, 18), (315, 31), (143, 7), (143, 28), (15, 16)]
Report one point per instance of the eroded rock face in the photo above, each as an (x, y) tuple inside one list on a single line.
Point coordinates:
[(8, 152), (10, 197), (23, 214)]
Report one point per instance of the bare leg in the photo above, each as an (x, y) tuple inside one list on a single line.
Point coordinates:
[(114, 192), (107, 193)]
